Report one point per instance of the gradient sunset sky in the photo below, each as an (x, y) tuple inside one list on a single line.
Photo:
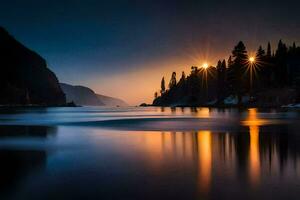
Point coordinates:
[(123, 48)]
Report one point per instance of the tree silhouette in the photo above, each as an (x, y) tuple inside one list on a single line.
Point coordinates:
[(173, 81), (220, 80), (182, 77), (281, 68), (269, 54), (272, 71), (162, 86), (239, 54), (260, 53), (229, 62), (261, 75)]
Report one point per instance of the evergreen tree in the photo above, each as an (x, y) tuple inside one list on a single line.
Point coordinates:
[(224, 66), (229, 62), (269, 50), (224, 75), (239, 54), (268, 68), (219, 80), (182, 77), (260, 53), (294, 46), (173, 81), (162, 86), (219, 65), (260, 77), (281, 64)]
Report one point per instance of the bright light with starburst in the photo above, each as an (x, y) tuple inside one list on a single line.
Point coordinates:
[(253, 64), (205, 65), (251, 59)]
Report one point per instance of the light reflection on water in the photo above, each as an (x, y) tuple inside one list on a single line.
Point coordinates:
[(257, 158)]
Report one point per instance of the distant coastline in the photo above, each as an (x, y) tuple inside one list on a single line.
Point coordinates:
[(290, 106)]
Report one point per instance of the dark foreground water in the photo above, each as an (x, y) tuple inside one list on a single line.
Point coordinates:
[(149, 153)]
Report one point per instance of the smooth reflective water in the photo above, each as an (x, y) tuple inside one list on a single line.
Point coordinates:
[(149, 153)]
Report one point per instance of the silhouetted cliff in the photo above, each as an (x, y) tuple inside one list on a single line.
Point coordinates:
[(81, 95), (24, 76)]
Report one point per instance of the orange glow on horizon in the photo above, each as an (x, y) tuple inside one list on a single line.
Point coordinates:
[(139, 84)]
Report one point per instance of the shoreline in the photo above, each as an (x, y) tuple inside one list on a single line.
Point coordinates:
[(293, 106), (228, 106)]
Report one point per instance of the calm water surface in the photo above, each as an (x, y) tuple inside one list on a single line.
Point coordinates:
[(149, 153)]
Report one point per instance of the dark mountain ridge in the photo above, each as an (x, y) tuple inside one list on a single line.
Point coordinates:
[(85, 96), (24, 77), (80, 95)]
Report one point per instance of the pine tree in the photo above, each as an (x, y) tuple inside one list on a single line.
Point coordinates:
[(281, 64), (260, 53), (219, 80), (269, 50), (182, 77), (173, 81), (260, 77), (162, 85), (239, 54), (294, 46), (229, 62), (224, 71), (224, 65)]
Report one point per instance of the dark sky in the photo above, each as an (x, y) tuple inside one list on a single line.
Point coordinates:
[(122, 48)]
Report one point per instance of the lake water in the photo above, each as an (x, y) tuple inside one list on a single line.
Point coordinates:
[(149, 153)]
